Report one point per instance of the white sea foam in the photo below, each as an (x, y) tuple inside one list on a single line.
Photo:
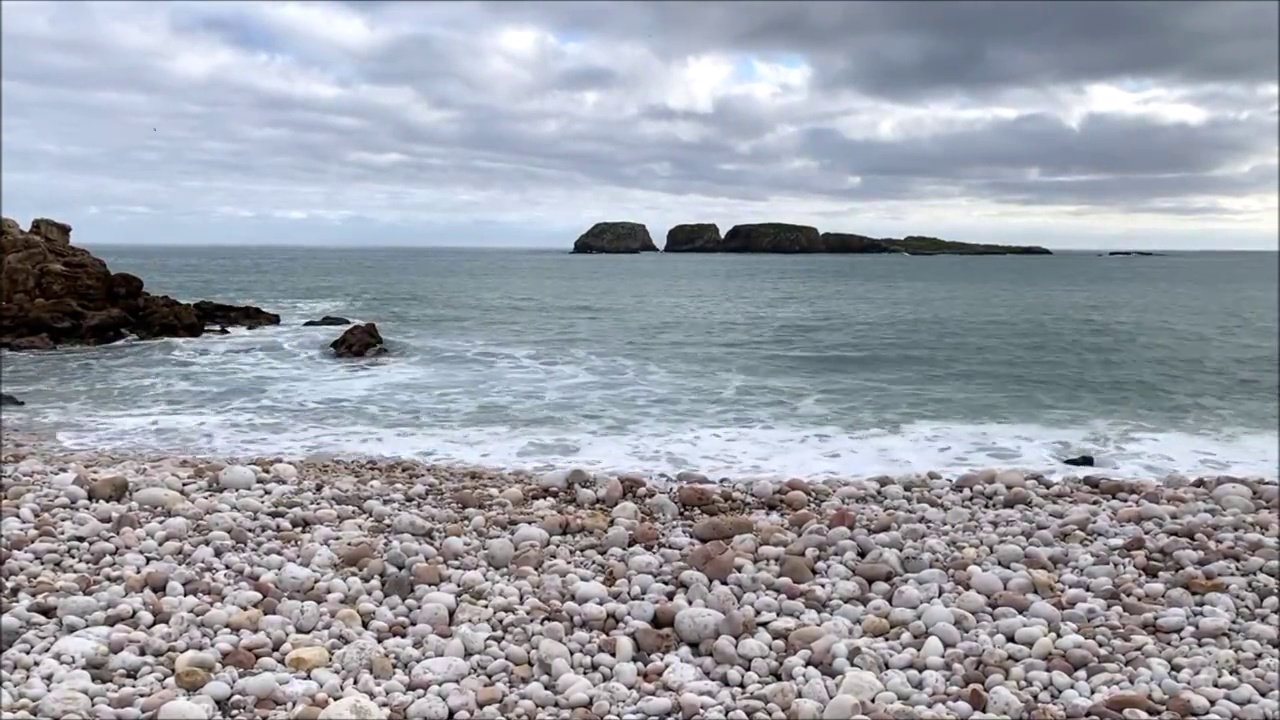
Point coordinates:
[(276, 391), (723, 451)]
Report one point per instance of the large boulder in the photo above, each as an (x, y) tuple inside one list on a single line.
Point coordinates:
[(615, 237), (693, 238), (772, 238), (54, 293), (359, 341)]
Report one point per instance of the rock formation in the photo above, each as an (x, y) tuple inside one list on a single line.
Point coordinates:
[(771, 238), (615, 238), (54, 293), (920, 245), (860, 244), (627, 237), (359, 341), (327, 321), (7, 399), (694, 238)]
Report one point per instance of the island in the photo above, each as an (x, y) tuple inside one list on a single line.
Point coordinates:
[(778, 238), (615, 238)]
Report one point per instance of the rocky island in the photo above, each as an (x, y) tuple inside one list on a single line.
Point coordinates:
[(615, 238), (54, 293), (778, 238)]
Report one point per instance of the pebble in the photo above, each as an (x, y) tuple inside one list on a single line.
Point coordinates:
[(181, 589)]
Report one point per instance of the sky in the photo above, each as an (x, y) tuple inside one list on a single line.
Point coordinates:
[(1071, 125)]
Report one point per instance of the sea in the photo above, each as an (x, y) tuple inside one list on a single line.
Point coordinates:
[(731, 365)]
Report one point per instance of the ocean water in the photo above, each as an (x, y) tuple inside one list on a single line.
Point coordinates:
[(732, 365)]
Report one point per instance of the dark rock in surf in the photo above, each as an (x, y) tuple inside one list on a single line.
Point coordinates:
[(6, 400), (693, 238), (326, 321), (771, 238), (359, 341), (53, 293), (615, 238), (1082, 461), (213, 313)]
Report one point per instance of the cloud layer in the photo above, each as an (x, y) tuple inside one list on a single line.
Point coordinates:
[(1069, 124)]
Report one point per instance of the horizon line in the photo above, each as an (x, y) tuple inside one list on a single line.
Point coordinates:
[(568, 251)]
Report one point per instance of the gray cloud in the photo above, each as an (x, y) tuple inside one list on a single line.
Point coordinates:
[(524, 120)]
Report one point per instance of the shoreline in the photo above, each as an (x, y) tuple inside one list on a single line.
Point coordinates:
[(181, 588), (1113, 464)]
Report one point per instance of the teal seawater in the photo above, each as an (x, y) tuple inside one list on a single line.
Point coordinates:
[(743, 365)]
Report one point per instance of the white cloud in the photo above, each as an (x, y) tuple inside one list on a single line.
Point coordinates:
[(544, 118)]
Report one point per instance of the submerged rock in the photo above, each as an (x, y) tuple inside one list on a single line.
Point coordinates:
[(1082, 461), (6, 400), (326, 321), (615, 238), (359, 341)]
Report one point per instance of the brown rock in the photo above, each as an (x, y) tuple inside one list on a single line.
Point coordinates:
[(426, 573), (240, 659), (488, 695), (651, 641), (109, 489), (714, 559), (722, 527), (645, 534), (527, 557), (796, 568), (664, 615), (1120, 702), (191, 679), (352, 555), (874, 572), (844, 517), (800, 519), (381, 666), (696, 495), (466, 499), (359, 341), (796, 500), (802, 638), (976, 696)]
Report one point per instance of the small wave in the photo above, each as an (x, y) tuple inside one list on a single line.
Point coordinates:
[(733, 452)]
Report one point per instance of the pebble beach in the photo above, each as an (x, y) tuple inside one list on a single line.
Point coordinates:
[(181, 588)]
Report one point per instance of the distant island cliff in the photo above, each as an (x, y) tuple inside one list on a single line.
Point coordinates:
[(777, 238)]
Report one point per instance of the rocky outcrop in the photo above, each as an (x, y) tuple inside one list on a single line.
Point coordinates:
[(857, 244), (6, 399), (327, 321), (694, 238), (615, 238), (54, 293), (920, 245), (359, 341), (771, 238), (213, 313)]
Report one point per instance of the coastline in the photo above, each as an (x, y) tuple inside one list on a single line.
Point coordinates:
[(322, 589)]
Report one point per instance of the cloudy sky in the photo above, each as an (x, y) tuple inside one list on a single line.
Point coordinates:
[(1069, 124)]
